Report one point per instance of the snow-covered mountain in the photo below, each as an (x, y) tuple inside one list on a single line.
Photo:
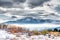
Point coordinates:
[(30, 20)]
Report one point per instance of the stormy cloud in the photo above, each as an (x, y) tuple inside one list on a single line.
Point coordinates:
[(19, 1), (5, 4), (11, 3), (30, 3), (34, 3)]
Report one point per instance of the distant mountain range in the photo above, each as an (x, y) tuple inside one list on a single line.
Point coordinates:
[(33, 20)]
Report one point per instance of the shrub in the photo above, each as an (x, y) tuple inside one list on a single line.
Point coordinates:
[(44, 32), (55, 30), (36, 32)]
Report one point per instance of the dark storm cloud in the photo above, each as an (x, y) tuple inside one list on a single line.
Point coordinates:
[(13, 17), (5, 4), (19, 1), (10, 3), (31, 3), (34, 3)]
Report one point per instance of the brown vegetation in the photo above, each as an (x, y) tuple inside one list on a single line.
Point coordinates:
[(16, 29)]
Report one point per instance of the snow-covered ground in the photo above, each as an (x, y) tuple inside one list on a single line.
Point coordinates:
[(4, 35)]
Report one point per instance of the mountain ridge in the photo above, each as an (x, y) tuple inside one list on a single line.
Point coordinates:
[(33, 20)]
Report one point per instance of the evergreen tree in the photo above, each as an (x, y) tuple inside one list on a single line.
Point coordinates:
[(59, 30), (55, 30)]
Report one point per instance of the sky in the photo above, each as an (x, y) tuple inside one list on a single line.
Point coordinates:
[(13, 10)]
